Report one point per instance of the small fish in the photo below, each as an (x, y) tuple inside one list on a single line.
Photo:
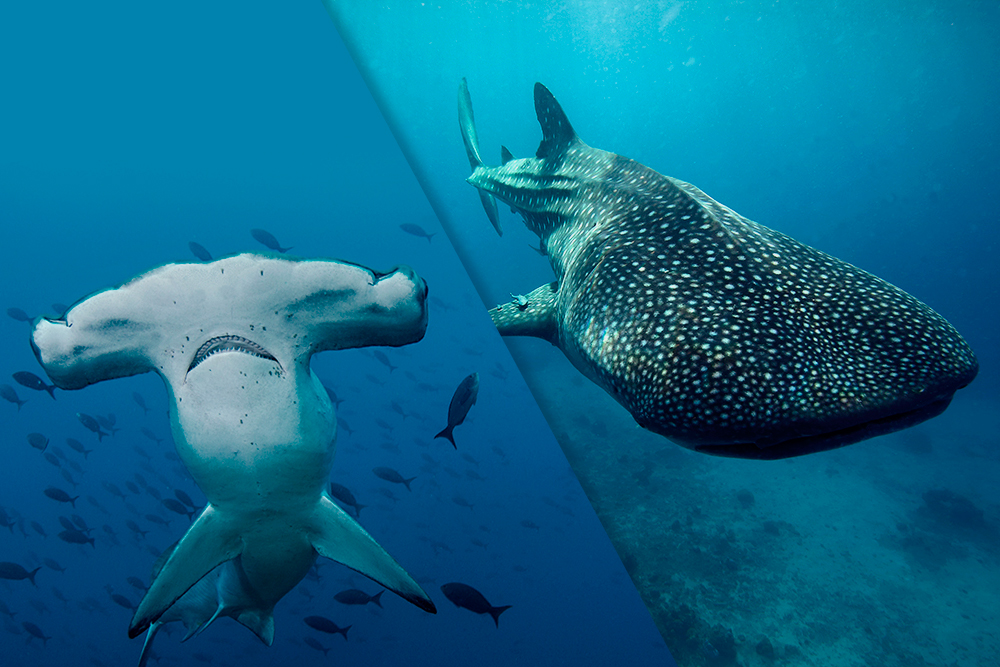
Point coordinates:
[(122, 601), (53, 459), (132, 487), (91, 424), (32, 381), (177, 507), (59, 495), (36, 632), (461, 502), (76, 537), (380, 356), (390, 475), (136, 583), (384, 424), (53, 565), (398, 409), (333, 397), (134, 527), (344, 495), (358, 597), (20, 315), (149, 434), (140, 401), (14, 572), (107, 422), (267, 239), (38, 441), (415, 230), (67, 523), (461, 402), (467, 597), (157, 519), (324, 624), (528, 523), (37, 527), (8, 393), (199, 251), (342, 423), (312, 643), (184, 498)]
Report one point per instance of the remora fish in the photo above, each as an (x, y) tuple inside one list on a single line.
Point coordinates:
[(232, 341), (710, 329), (461, 402)]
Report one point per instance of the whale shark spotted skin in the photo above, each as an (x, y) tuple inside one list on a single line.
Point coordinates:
[(710, 329), (232, 340)]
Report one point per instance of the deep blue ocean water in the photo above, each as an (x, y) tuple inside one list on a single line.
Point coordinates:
[(132, 130), (868, 131)]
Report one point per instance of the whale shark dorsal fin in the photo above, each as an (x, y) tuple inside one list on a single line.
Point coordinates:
[(557, 133), (211, 541), (339, 537), (505, 155), (536, 317)]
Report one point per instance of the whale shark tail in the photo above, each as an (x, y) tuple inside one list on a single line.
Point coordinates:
[(467, 123), (339, 537)]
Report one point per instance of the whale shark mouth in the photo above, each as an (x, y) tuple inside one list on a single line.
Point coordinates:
[(229, 343)]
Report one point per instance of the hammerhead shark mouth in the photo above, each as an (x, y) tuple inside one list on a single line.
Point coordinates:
[(229, 343)]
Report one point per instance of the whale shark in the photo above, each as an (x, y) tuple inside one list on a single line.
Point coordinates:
[(712, 330), (232, 341)]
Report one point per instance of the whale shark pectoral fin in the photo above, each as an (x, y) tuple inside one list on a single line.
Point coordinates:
[(467, 123), (339, 537), (537, 318), (212, 540)]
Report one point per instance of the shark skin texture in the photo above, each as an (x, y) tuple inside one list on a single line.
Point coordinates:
[(232, 341)]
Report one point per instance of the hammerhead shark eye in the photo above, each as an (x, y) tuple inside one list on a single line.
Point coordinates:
[(229, 343)]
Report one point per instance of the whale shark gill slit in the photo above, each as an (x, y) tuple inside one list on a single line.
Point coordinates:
[(229, 343)]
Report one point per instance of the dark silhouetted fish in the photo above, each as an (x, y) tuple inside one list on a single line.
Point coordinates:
[(76, 537), (134, 527), (461, 502), (358, 597), (32, 381), (333, 397), (390, 475), (411, 228), (91, 424), (8, 393), (467, 597), (199, 251), (710, 329), (461, 402), (384, 360), (14, 572), (528, 523), (140, 401), (343, 425), (312, 643), (36, 632), (20, 315), (38, 441), (53, 565), (52, 458), (122, 601), (37, 527), (149, 434), (185, 498), (113, 489), (107, 423), (177, 507), (267, 238), (324, 624), (344, 495), (398, 409), (137, 583), (60, 496)]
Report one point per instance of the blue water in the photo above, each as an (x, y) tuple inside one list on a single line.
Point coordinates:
[(130, 131), (867, 130)]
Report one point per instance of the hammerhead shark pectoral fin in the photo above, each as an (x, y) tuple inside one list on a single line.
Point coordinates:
[(211, 541), (339, 537)]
